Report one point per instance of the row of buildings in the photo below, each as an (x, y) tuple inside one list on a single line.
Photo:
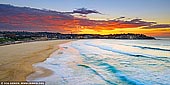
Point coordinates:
[(8, 37)]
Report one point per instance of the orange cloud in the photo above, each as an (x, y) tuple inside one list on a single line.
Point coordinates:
[(41, 20), (66, 25), (30, 19), (61, 23)]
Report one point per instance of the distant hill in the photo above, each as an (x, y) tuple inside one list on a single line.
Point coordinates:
[(131, 36), (8, 37)]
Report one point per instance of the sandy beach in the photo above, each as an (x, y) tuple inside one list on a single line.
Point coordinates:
[(16, 60)]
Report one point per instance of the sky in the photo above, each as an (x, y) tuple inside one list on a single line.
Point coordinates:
[(109, 10)]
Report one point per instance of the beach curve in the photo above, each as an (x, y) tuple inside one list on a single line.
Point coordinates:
[(16, 60)]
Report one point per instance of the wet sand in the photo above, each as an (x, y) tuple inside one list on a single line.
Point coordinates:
[(16, 60)]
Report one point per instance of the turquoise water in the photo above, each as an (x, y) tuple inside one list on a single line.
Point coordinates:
[(108, 62)]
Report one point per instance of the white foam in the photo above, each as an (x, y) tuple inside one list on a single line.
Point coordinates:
[(64, 64)]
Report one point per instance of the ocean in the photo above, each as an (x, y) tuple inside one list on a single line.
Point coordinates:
[(108, 62)]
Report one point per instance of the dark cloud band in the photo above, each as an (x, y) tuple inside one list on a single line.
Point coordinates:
[(85, 11), (157, 26)]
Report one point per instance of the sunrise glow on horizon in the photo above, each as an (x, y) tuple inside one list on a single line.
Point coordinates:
[(150, 17)]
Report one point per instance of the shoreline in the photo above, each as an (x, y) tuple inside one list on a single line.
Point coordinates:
[(20, 42), (16, 60)]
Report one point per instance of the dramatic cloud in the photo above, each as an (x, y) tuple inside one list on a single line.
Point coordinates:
[(120, 18), (140, 22), (85, 11), (29, 19)]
